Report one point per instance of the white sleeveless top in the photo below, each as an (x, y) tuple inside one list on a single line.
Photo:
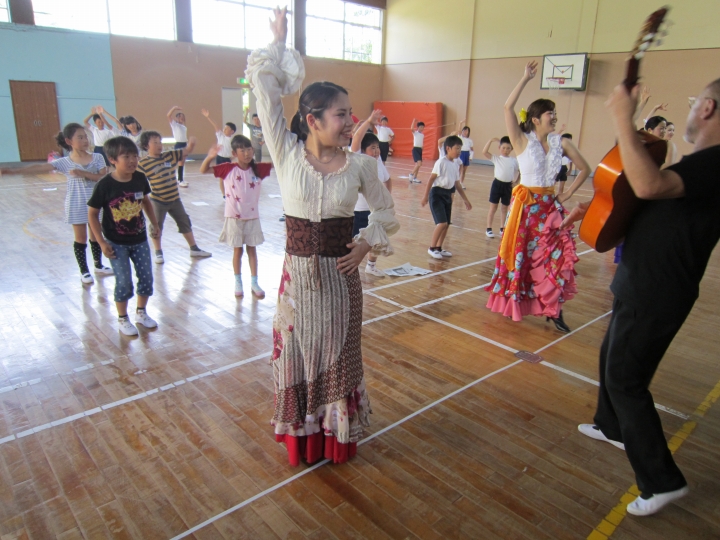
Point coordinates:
[(538, 169)]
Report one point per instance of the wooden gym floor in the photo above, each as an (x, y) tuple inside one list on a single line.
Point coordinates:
[(167, 435)]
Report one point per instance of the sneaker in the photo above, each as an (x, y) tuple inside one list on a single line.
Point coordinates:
[(414, 180), (282, 218), (594, 432), (104, 271), (238, 288), (489, 233), (126, 327), (183, 183), (87, 278), (159, 258), (410, 177), (434, 254), (200, 253), (445, 253), (143, 318), (502, 230), (374, 271), (462, 185), (257, 291), (646, 507)]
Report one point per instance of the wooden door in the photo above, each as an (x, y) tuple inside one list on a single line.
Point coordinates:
[(36, 118)]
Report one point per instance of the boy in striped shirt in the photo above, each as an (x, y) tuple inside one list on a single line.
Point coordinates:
[(160, 167)]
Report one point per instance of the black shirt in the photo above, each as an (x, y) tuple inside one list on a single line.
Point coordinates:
[(123, 221), (670, 241)]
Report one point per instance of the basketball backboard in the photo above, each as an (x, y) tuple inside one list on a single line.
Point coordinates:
[(564, 71)]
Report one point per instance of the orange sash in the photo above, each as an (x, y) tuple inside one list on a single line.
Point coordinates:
[(523, 196)]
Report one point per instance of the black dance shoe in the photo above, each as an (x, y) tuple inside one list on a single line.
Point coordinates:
[(559, 323)]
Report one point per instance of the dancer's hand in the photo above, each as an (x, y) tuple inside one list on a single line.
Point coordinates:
[(205, 112), (576, 214), (530, 70), (376, 117), (279, 26), (350, 262)]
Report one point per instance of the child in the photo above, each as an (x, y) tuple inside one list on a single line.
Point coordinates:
[(101, 130), (445, 175), (565, 168), (159, 168), (179, 131), (122, 196), (82, 171), (418, 140), (131, 128), (256, 135), (367, 142), (240, 184), (507, 170), (466, 153), (224, 138), (385, 135)]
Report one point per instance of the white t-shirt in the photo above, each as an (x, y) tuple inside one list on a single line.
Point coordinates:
[(566, 161), (456, 161), (418, 139), (384, 133), (101, 135), (447, 173), (225, 141), (384, 176), (179, 131), (467, 144), (507, 169)]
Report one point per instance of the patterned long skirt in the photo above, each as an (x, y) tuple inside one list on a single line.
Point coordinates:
[(545, 257), (321, 404)]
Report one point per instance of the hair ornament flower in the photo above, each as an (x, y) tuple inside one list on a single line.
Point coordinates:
[(523, 115)]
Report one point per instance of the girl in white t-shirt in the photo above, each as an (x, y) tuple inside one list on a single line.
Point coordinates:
[(465, 153), (368, 144)]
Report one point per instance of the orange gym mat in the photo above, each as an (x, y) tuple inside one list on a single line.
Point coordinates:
[(400, 115)]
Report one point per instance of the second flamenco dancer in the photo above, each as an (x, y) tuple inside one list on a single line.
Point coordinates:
[(535, 267), (321, 404)]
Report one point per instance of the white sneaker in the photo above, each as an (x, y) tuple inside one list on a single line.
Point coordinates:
[(410, 177), (374, 271), (594, 432), (126, 327), (159, 259), (490, 234), (143, 318), (87, 278), (445, 253), (257, 291), (238, 288), (646, 507), (183, 183), (414, 180), (104, 271), (434, 254), (200, 253)]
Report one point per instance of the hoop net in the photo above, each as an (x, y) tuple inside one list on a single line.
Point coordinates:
[(555, 84)]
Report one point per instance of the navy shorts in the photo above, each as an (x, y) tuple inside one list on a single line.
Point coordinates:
[(440, 200), (179, 145), (562, 175), (465, 157), (360, 221), (500, 192), (417, 153)]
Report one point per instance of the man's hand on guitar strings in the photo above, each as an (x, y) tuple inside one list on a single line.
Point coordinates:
[(576, 214)]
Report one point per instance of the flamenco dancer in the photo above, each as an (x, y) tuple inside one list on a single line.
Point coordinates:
[(321, 404), (535, 268)]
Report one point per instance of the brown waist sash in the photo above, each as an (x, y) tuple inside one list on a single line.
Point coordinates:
[(326, 238)]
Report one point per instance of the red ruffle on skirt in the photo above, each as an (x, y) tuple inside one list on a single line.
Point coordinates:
[(550, 276), (314, 447)]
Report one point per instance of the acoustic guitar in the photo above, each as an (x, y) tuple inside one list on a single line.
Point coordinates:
[(614, 204)]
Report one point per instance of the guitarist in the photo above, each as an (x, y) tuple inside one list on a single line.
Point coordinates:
[(667, 248)]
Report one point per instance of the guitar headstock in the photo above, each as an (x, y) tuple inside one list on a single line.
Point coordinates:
[(651, 33)]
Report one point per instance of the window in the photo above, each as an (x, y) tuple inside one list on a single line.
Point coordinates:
[(140, 18), (84, 15), (4, 14), (235, 23), (337, 29)]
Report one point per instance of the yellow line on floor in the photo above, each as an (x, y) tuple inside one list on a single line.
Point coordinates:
[(610, 522)]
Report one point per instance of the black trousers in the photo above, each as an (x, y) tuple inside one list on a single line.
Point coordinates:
[(384, 149), (634, 344)]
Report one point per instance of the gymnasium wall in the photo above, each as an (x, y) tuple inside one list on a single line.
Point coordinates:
[(507, 34), (77, 62), (153, 75)]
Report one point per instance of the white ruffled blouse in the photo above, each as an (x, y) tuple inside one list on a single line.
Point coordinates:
[(538, 169), (277, 71)]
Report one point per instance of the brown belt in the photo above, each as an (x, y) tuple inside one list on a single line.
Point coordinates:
[(326, 238)]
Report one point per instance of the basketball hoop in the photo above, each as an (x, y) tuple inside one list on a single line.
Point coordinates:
[(556, 81)]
